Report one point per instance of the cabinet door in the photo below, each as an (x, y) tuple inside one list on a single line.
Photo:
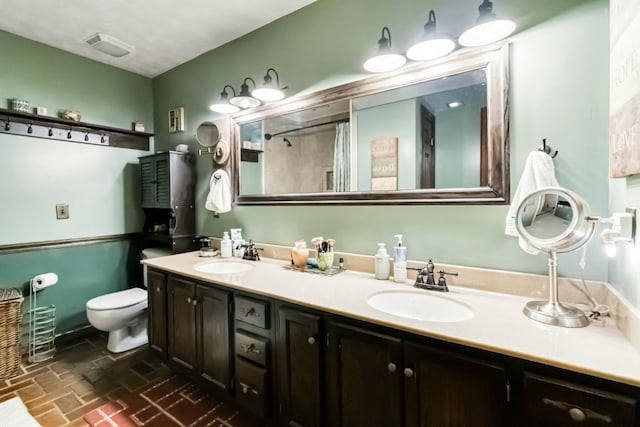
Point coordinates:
[(299, 350), (157, 291), (182, 322), (214, 364), (446, 390), (162, 172), (148, 182), (364, 378)]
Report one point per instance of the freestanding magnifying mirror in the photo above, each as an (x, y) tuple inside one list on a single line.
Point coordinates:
[(553, 220)]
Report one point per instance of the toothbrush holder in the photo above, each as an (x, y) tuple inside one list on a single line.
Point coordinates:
[(325, 261)]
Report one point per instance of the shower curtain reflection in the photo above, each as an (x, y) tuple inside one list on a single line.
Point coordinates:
[(341, 159)]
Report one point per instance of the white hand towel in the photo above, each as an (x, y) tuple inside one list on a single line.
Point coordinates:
[(219, 197), (538, 173)]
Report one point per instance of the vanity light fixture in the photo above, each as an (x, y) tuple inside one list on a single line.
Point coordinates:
[(385, 60), (432, 45), (223, 106), (488, 28), (269, 92), (244, 98), (623, 229)]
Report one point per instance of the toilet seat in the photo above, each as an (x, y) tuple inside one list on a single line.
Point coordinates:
[(116, 300)]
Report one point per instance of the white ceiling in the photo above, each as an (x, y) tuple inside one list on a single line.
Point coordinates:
[(165, 33)]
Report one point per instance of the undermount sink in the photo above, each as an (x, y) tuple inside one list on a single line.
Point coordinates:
[(223, 267), (420, 305)]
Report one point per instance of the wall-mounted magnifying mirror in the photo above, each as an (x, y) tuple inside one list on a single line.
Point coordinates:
[(207, 134), (553, 220)]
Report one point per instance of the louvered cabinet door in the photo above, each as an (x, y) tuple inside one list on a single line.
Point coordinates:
[(163, 182), (148, 182)]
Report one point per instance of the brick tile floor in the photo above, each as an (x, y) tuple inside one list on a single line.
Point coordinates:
[(85, 385)]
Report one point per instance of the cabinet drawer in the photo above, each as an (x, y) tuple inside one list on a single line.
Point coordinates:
[(252, 311), (251, 385), (252, 347), (552, 402)]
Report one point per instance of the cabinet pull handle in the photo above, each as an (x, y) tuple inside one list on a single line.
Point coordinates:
[(158, 289), (249, 312), (194, 302), (311, 340), (392, 367), (408, 372), (188, 300), (577, 413), (249, 347), (246, 388)]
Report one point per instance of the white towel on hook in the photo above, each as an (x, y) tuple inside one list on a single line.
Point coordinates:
[(219, 197), (538, 172)]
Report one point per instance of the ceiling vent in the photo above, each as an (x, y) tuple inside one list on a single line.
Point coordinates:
[(109, 45)]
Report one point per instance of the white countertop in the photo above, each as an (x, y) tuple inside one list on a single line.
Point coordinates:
[(498, 324)]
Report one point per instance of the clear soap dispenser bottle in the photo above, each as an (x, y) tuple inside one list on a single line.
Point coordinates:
[(225, 246), (382, 263), (399, 261)]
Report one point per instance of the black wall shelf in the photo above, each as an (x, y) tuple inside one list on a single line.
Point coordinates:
[(249, 155), (47, 127)]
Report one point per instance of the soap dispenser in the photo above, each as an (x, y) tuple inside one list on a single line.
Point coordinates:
[(399, 261), (225, 246), (382, 263)]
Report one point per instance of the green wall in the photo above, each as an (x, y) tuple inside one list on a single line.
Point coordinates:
[(100, 184), (84, 272), (557, 93), (393, 120)]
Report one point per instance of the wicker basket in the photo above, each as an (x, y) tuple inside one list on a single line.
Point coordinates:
[(10, 333)]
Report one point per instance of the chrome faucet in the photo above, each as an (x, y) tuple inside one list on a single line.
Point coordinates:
[(250, 251), (426, 278)]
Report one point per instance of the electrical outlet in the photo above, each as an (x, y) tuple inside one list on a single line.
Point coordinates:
[(62, 211)]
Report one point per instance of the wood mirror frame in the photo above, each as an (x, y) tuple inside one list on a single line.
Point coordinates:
[(495, 62)]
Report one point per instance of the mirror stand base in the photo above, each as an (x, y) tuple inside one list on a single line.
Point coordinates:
[(556, 314)]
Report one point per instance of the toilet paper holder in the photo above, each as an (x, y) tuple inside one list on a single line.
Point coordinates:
[(42, 320)]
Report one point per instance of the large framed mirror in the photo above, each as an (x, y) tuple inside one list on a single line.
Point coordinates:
[(434, 133)]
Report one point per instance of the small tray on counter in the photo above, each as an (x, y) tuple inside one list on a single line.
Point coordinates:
[(330, 272)]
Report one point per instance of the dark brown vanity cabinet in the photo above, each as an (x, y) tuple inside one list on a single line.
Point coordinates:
[(364, 378), (300, 351), (378, 379), (157, 311), (198, 326), (446, 389), (253, 359)]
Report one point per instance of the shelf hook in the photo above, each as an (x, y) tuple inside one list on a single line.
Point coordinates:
[(86, 136), (69, 134), (7, 125), (51, 131), (30, 128)]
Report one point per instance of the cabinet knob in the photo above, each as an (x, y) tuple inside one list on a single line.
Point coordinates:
[(311, 340), (188, 300), (246, 389), (392, 367), (194, 302), (158, 289), (577, 414), (408, 372)]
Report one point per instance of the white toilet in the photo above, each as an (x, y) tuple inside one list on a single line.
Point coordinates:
[(124, 313)]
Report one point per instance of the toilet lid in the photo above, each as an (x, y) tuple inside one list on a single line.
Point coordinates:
[(119, 299)]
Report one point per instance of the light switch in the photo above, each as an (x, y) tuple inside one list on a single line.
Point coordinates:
[(62, 211)]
